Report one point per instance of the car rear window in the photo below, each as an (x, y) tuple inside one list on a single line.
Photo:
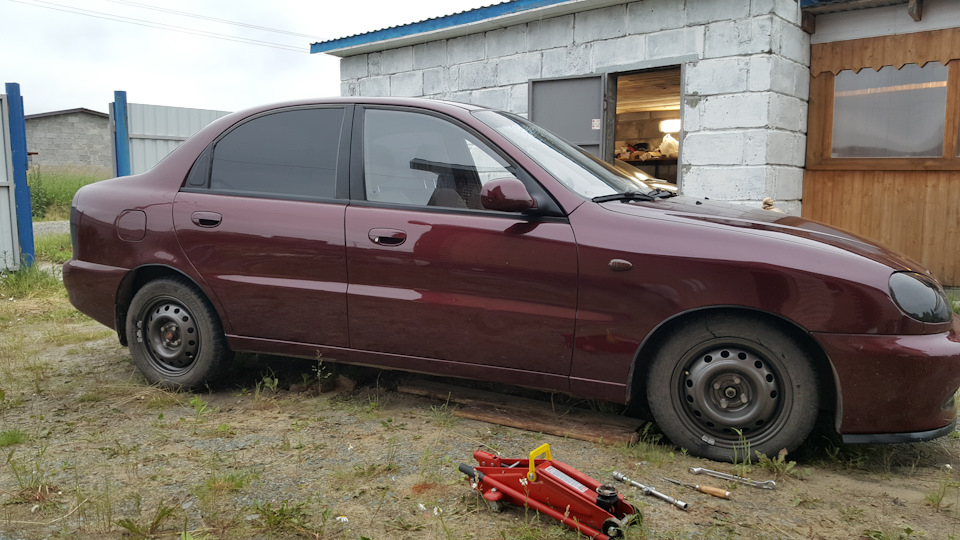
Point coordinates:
[(289, 153)]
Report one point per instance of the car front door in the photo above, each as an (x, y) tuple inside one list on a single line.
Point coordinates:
[(260, 219), (438, 279)]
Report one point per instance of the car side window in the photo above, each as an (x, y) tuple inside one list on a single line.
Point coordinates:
[(418, 159), (290, 153)]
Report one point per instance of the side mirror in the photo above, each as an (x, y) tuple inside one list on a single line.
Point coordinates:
[(506, 195)]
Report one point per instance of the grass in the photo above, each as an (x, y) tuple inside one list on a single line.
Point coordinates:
[(52, 189), (53, 248)]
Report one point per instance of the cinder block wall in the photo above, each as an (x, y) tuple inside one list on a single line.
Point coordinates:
[(745, 80), (76, 139)]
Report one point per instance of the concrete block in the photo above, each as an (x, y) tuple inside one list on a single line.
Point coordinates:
[(477, 75), (375, 86), (507, 41), (790, 41), (374, 63), (713, 148), (465, 49), (730, 111), (519, 99), (726, 183), (566, 61), (690, 115), (717, 76), (616, 52), (655, 15), (550, 33), (788, 113), (786, 9), (672, 43), (708, 11), (409, 84), (460, 97), (348, 88), (438, 80), (786, 148), (353, 67), (737, 38), (495, 98), (598, 24), (397, 60), (755, 146), (784, 184), (519, 69), (430, 54)]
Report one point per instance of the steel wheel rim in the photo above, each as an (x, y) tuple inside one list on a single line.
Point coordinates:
[(732, 393), (170, 336)]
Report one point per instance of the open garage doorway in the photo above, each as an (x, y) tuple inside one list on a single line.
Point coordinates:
[(648, 121)]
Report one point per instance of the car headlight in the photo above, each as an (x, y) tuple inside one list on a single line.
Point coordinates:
[(920, 297)]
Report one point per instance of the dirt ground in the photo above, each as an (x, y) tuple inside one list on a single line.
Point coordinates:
[(91, 451)]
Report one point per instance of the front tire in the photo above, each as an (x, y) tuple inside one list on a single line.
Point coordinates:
[(175, 336), (726, 387)]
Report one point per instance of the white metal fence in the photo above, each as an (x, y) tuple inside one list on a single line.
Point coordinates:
[(9, 243)]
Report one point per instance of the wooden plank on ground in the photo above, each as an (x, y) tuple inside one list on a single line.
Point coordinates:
[(530, 414)]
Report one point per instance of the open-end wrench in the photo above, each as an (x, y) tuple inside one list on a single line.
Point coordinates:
[(766, 484)]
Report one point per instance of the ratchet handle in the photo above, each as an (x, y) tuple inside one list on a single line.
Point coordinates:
[(715, 491)]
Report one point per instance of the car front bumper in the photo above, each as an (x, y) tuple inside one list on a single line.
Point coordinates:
[(895, 388)]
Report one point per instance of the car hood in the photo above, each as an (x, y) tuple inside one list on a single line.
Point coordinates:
[(764, 222)]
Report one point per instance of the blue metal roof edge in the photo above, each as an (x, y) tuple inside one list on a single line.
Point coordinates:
[(431, 25)]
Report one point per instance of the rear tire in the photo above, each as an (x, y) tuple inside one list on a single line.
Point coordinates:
[(727, 387), (175, 335)]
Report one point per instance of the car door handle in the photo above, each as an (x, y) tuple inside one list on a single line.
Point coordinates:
[(387, 237), (206, 219)]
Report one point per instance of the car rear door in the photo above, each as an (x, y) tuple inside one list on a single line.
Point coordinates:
[(261, 219), (435, 276)]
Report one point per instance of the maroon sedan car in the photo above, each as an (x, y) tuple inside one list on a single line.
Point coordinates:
[(456, 240)]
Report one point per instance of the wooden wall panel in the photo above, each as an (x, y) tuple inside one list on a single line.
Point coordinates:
[(876, 52), (916, 213)]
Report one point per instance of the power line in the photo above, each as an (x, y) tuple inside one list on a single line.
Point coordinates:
[(215, 19), (162, 26)]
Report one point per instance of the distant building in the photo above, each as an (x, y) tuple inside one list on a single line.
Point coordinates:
[(71, 138)]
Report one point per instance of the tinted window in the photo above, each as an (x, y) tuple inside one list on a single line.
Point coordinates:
[(288, 153), (412, 158)]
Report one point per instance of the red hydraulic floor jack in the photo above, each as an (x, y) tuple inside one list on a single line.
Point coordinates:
[(552, 488)]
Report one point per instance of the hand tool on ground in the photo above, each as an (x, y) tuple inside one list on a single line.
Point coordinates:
[(709, 490), (552, 488), (766, 484), (647, 490)]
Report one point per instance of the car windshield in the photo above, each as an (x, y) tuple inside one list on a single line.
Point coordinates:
[(573, 167)]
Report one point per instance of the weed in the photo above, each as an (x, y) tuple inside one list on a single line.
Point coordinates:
[(896, 534), (443, 415), (851, 513), (31, 474), (778, 466), (29, 282), (53, 248), (288, 518), (935, 498), (211, 495), (52, 190), (11, 437), (400, 524), (149, 527), (741, 454), (200, 410)]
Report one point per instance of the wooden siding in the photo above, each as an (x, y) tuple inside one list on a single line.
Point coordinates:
[(914, 212), (876, 52)]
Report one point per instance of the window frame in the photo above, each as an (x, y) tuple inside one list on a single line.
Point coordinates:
[(341, 183), (548, 206), (873, 53)]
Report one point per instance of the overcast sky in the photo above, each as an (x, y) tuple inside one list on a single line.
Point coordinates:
[(64, 60)]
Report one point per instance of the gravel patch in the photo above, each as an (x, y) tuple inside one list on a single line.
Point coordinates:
[(41, 228)]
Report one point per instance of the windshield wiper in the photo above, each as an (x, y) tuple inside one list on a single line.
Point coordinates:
[(635, 196)]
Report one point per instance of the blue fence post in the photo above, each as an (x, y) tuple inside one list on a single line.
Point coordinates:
[(121, 137), (18, 147)]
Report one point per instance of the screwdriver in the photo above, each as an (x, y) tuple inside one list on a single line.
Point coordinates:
[(709, 490)]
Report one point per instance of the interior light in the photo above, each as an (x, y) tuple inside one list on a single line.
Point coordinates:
[(670, 126)]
